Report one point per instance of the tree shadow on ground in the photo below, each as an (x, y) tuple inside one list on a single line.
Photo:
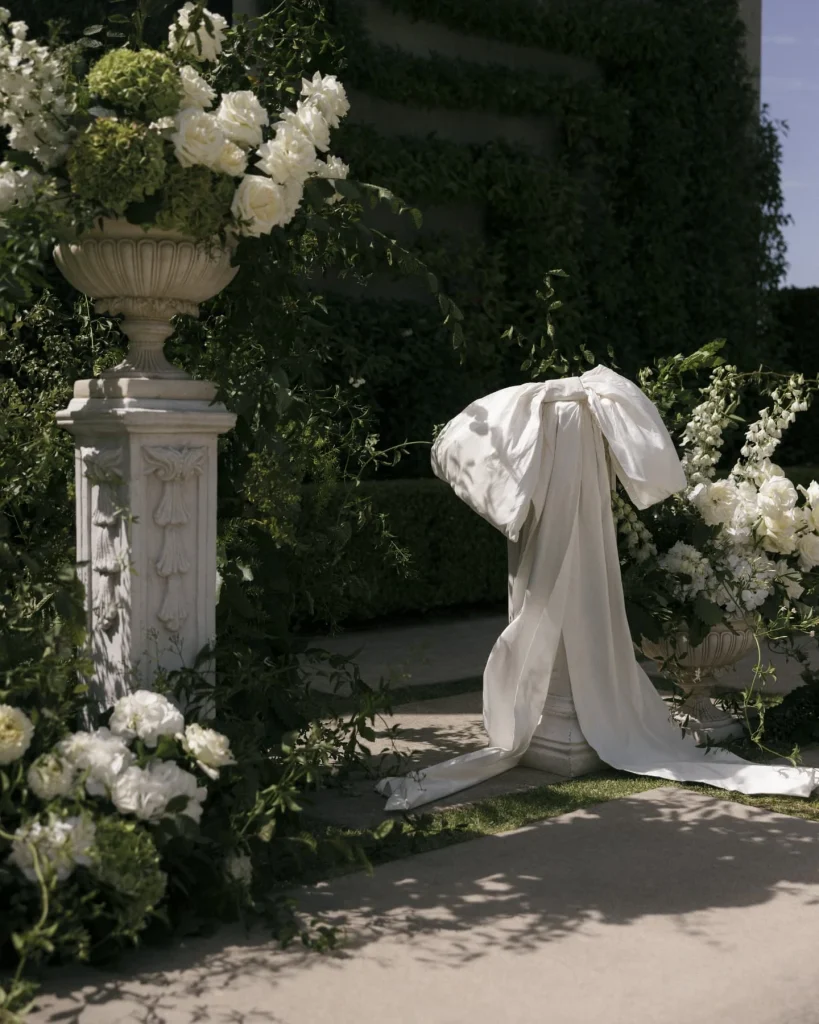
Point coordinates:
[(668, 853)]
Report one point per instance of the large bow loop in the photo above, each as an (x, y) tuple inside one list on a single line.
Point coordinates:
[(491, 453)]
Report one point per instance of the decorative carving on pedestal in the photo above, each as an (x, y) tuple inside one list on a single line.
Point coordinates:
[(174, 467), (103, 470)]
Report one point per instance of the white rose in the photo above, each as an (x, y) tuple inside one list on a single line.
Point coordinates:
[(809, 551), (18, 29), (204, 43), (147, 715), (61, 845), (716, 501), (232, 160), (51, 776), (332, 167), (776, 495), (16, 730), (811, 492), (146, 792), (241, 116), (289, 156), (198, 139), (263, 205), (210, 749), (309, 120), (328, 94), (196, 91), (100, 754), (779, 533), (239, 867)]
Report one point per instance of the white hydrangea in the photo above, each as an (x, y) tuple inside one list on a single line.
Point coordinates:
[(204, 43), (51, 776), (328, 95), (16, 731), (685, 559), (100, 755), (146, 792), (210, 749), (61, 844), (241, 117), (195, 90), (752, 581), (146, 715), (289, 156)]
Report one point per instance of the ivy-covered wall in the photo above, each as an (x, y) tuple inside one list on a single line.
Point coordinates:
[(617, 139)]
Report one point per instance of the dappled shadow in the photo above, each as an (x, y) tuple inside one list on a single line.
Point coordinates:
[(668, 855)]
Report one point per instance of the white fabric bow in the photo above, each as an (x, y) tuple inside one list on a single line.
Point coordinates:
[(535, 460)]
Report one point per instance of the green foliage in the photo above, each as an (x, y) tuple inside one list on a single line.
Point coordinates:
[(193, 200), (143, 83), (115, 163)]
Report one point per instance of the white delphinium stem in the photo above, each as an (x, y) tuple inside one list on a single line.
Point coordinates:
[(702, 437), (637, 536), (763, 436)]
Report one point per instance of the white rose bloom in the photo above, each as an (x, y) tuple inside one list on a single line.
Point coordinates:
[(290, 156), (146, 715), (778, 533), (239, 867), (100, 754), (241, 117), (51, 776), (61, 845), (328, 95), (210, 749), (232, 160), (203, 44), (18, 29), (198, 139), (309, 120), (263, 204), (716, 500), (811, 492), (777, 495), (196, 91), (809, 551), (146, 792), (5, 14), (16, 730), (332, 168)]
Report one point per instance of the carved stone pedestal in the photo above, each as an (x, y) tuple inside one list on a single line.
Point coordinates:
[(558, 745), (145, 472)]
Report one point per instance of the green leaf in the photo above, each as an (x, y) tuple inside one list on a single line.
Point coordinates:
[(92, 30), (384, 829), (708, 612), (177, 804)]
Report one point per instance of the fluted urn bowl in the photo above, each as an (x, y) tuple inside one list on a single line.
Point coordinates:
[(148, 276), (697, 667)]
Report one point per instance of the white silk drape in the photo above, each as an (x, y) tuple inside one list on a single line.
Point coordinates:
[(536, 461)]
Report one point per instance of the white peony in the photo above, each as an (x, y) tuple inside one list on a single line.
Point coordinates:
[(210, 749), (195, 90), (239, 867), (263, 204), (290, 156), (198, 139), (203, 44), (309, 120), (328, 94), (62, 844), (232, 160), (16, 730), (100, 754), (777, 495), (241, 117), (146, 715), (146, 792), (51, 776), (808, 547), (716, 500)]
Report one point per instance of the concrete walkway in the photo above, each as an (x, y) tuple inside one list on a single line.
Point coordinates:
[(669, 907)]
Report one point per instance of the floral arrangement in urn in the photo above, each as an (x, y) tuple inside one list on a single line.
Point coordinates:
[(142, 135), (735, 554)]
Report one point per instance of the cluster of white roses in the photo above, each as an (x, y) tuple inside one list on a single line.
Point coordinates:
[(103, 764), (757, 506)]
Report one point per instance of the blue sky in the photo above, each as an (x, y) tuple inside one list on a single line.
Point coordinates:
[(790, 87)]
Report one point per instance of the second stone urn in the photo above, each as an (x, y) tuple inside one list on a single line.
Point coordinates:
[(145, 438), (697, 670)]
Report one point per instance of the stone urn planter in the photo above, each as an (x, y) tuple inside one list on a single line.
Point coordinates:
[(149, 276), (697, 669), (145, 437)]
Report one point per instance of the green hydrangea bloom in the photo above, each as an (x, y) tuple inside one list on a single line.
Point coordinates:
[(127, 861), (115, 163), (140, 82), (195, 201)]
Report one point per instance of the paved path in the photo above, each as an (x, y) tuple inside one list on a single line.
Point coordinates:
[(669, 907)]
